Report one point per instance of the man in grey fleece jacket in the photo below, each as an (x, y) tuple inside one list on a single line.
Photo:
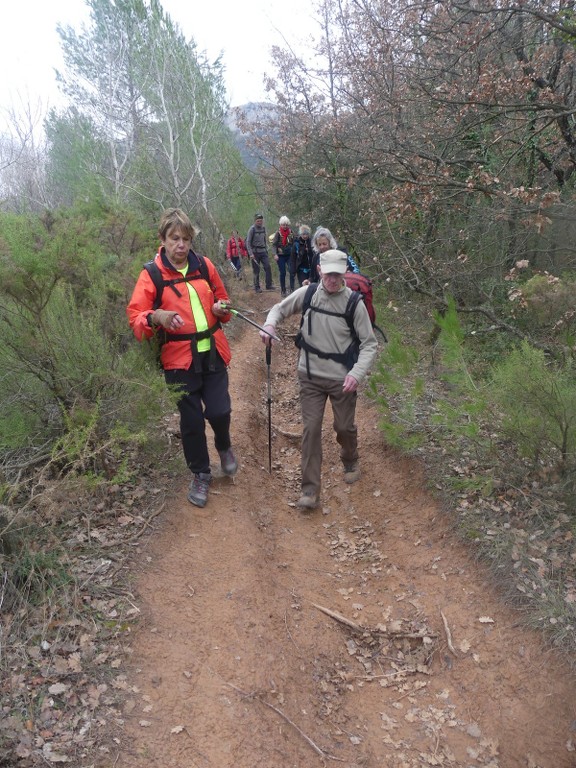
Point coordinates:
[(322, 372)]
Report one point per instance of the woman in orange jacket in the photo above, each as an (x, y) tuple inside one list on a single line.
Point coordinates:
[(187, 313)]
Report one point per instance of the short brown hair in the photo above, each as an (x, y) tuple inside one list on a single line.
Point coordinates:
[(175, 218)]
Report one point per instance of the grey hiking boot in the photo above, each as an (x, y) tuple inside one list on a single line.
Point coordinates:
[(352, 473), (308, 500), (198, 493), (228, 462)]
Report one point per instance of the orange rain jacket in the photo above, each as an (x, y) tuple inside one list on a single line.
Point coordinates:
[(178, 354)]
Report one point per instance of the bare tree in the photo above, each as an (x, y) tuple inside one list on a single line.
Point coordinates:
[(22, 160)]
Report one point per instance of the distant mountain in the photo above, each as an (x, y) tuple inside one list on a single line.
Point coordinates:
[(261, 117)]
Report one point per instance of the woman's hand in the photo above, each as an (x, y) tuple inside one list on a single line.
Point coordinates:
[(170, 321), (220, 309)]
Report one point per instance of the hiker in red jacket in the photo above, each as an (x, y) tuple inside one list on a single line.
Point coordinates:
[(186, 314), (282, 241), (236, 251)]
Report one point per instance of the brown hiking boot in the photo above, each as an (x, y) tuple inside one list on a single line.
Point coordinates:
[(352, 473)]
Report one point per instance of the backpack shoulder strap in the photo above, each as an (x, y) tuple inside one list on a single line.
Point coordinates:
[(310, 291), (204, 269), (156, 276), (353, 300)]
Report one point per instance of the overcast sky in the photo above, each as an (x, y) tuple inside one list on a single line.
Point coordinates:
[(243, 29)]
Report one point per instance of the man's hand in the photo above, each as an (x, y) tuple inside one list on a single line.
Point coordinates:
[(350, 384), (170, 321), (268, 340)]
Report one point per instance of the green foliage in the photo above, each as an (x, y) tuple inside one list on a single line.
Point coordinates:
[(37, 574), (538, 403), (395, 398), (401, 392), (148, 132), (74, 152), (464, 406), (73, 382)]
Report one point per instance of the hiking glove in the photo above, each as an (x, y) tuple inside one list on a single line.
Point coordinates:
[(168, 320)]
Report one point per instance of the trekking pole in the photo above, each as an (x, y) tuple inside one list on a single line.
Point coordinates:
[(268, 364), (247, 319)]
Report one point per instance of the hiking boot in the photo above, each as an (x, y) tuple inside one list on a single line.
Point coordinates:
[(228, 462), (270, 287), (308, 500), (198, 493), (352, 473), (258, 290)]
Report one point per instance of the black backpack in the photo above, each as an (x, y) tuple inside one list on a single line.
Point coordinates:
[(159, 283), (347, 358)]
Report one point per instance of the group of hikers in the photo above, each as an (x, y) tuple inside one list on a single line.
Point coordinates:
[(181, 298), (296, 253)]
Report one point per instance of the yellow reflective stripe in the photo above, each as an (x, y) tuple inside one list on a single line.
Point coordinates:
[(200, 319)]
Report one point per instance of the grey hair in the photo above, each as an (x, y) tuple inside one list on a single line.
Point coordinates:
[(304, 229), (324, 232), (284, 221)]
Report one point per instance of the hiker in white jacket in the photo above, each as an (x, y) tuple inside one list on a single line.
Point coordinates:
[(337, 348)]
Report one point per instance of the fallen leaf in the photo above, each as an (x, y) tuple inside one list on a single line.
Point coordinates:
[(145, 723), (485, 620), (52, 757), (57, 688), (177, 729)]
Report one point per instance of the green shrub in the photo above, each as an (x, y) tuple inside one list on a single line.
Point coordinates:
[(396, 389), (538, 402)]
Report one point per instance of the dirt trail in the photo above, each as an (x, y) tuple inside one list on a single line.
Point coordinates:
[(234, 663)]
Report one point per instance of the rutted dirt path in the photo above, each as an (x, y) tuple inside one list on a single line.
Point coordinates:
[(279, 639)]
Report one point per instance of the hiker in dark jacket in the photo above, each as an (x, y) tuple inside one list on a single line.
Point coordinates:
[(323, 240), (301, 257), (325, 370), (282, 245), (257, 247)]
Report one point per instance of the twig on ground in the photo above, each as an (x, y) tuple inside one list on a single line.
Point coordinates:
[(290, 435), (147, 522), (448, 635), (340, 618), (289, 633), (375, 631), (306, 738)]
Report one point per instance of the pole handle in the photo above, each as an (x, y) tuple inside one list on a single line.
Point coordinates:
[(268, 354)]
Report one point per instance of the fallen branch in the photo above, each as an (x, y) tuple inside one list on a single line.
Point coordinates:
[(289, 435), (360, 628), (448, 635), (147, 523), (315, 747), (340, 618)]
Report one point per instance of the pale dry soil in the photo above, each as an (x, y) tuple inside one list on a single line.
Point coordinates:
[(361, 634)]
